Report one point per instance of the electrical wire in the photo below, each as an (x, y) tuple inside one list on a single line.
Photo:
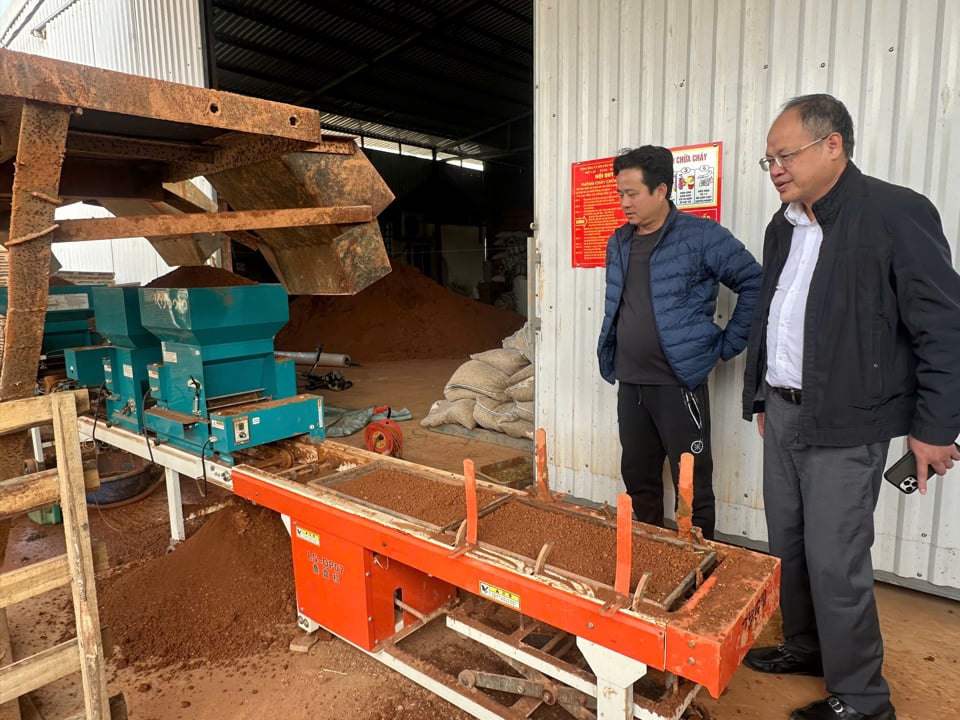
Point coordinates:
[(203, 466), (143, 424), (96, 411)]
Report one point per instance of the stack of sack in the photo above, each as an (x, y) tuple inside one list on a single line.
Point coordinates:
[(492, 390)]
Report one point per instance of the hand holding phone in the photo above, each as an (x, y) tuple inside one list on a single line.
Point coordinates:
[(903, 473)]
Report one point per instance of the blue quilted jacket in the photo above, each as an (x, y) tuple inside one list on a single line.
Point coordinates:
[(691, 258)]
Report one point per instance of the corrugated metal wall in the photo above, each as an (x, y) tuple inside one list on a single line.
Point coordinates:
[(154, 38), (617, 73)]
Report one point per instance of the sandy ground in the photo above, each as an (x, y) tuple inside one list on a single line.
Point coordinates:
[(334, 680)]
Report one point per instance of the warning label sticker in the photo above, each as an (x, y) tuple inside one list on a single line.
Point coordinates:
[(310, 537), (504, 597)]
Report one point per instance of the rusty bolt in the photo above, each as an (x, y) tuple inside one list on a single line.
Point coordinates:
[(692, 643), (691, 661)]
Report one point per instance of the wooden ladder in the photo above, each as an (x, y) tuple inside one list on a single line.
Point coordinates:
[(64, 485)]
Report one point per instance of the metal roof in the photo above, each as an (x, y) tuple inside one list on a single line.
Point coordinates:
[(453, 75)]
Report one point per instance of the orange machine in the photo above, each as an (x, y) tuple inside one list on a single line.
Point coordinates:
[(372, 574)]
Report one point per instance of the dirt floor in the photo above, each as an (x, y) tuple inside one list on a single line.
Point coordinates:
[(194, 641)]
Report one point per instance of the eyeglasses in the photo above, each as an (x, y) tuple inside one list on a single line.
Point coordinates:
[(782, 160)]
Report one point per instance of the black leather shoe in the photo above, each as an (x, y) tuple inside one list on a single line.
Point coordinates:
[(835, 709), (780, 661)]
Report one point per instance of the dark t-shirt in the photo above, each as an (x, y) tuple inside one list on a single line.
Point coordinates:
[(639, 358)]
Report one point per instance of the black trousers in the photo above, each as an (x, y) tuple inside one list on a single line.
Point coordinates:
[(659, 422)]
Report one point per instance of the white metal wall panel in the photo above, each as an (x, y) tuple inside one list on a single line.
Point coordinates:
[(154, 38), (132, 260), (620, 73)]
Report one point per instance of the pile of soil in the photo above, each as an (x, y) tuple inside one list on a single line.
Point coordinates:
[(403, 316), (198, 276), (224, 593)]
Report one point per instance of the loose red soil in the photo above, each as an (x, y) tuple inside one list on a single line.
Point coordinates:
[(229, 586), (402, 316), (198, 276)]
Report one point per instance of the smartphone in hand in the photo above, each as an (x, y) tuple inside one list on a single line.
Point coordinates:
[(903, 473)]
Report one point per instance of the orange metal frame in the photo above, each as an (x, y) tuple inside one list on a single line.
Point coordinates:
[(373, 561)]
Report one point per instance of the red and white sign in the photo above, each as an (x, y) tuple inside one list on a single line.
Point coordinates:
[(697, 179)]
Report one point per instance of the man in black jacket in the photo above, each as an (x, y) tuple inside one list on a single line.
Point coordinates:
[(855, 340)]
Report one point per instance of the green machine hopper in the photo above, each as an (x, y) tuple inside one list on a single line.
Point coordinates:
[(121, 365), (219, 385), (66, 323)]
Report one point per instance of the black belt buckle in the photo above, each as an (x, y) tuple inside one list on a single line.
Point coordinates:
[(790, 395)]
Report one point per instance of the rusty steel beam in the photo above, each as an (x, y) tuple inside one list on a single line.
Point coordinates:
[(78, 86), (9, 129), (35, 187), (236, 150), (85, 178), (113, 146), (152, 226), (40, 146), (187, 197)]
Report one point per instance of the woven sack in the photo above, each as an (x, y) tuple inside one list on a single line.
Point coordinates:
[(477, 377), (490, 414), (518, 428), (527, 371), (521, 340), (445, 412), (506, 360), (523, 391)]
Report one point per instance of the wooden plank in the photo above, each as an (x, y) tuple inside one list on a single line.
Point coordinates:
[(18, 415), (32, 580), (9, 710), (76, 528), (151, 226), (28, 493), (34, 672), (80, 86)]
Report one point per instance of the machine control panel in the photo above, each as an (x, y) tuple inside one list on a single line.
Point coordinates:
[(241, 430)]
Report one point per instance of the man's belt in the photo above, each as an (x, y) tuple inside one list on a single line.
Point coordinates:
[(790, 395)]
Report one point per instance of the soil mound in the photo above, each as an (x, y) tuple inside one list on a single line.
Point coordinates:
[(403, 316), (222, 594), (197, 276)]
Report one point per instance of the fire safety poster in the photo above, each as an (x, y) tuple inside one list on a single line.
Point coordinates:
[(596, 208)]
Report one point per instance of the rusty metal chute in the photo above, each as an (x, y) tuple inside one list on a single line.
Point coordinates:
[(70, 132)]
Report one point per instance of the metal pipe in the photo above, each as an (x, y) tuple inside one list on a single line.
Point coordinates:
[(310, 358)]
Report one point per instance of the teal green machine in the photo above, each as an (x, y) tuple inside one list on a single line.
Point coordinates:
[(219, 388), (121, 365), (65, 325)]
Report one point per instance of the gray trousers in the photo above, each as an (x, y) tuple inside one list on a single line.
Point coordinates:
[(819, 505)]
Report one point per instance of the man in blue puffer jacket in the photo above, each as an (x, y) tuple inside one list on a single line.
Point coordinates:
[(659, 338)]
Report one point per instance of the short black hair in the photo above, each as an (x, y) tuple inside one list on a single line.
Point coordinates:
[(655, 162), (822, 114)]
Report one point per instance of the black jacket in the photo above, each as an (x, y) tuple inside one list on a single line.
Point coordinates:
[(881, 344)]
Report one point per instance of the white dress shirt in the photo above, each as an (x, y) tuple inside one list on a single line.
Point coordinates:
[(785, 322)]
